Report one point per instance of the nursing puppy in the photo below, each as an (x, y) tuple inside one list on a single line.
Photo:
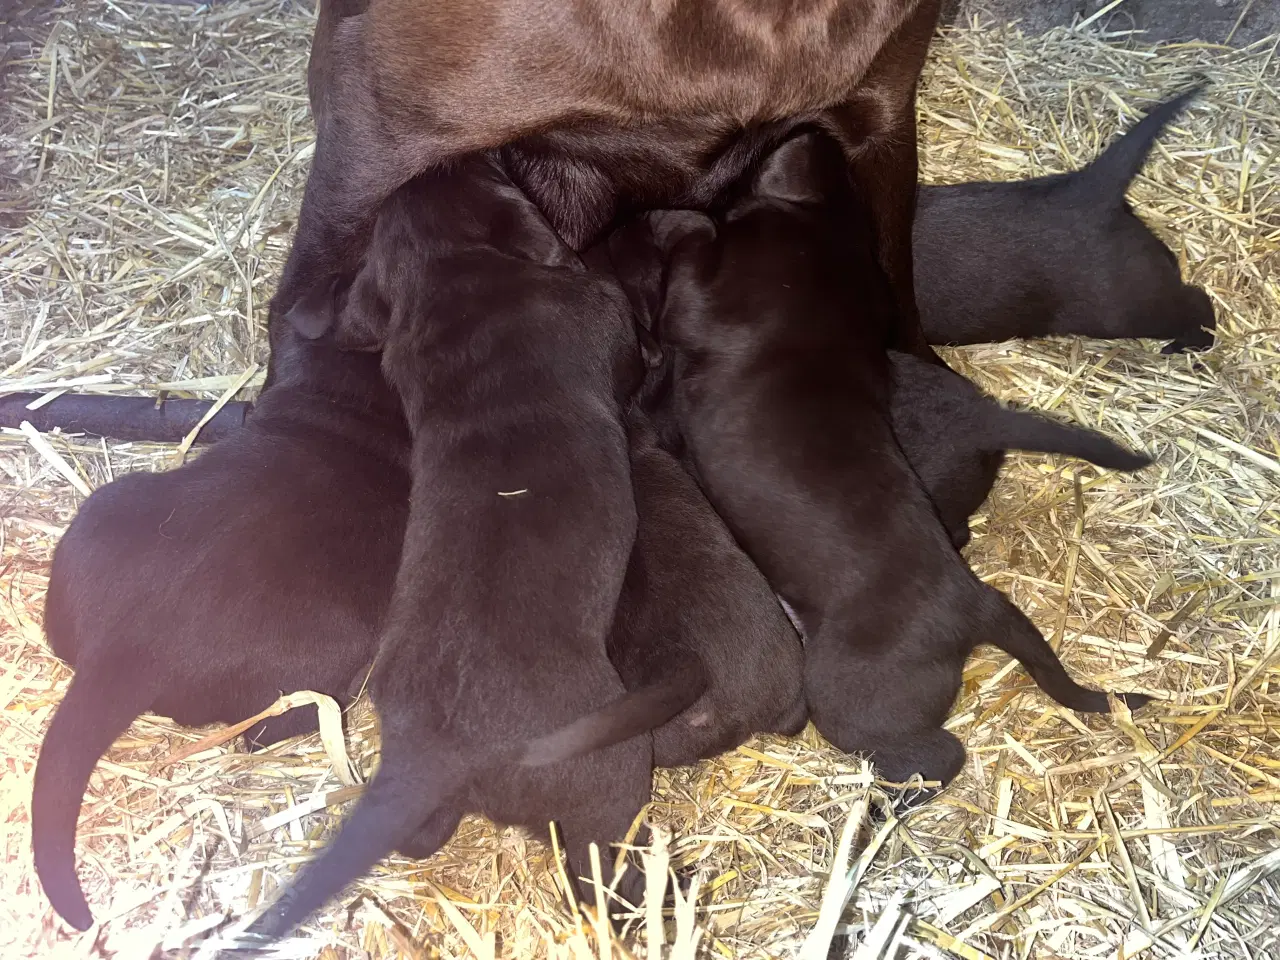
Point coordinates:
[(691, 594), (955, 438), (204, 592), (511, 362), (1055, 255), (775, 319)]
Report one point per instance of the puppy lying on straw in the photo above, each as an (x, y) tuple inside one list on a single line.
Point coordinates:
[(202, 593)]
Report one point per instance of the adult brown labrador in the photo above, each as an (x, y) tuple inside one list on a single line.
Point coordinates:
[(606, 107)]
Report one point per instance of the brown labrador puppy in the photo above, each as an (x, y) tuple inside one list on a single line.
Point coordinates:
[(511, 362), (611, 105), (775, 317), (691, 594), (202, 593)]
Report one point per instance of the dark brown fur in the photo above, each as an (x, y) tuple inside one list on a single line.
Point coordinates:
[(690, 593), (613, 105), (775, 317), (955, 438)]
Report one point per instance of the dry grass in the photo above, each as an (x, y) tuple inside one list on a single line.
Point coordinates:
[(152, 160)]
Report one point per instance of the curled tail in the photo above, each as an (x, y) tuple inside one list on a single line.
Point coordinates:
[(1012, 632), (1109, 176), (95, 711), (1021, 430), (628, 716)]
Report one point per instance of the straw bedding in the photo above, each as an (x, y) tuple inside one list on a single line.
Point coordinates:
[(152, 159)]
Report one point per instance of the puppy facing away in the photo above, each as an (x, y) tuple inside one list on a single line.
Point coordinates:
[(955, 438), (511, 361), (782, 392), (202, 593), (690, 593), (1063, 254)]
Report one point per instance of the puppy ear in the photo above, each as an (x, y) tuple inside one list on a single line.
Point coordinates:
[(671, 228), (636, 261), (639, 252), (802, 170), (363, 314), (313, 315), (522, 230)]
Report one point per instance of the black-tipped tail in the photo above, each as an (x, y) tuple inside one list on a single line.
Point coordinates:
[(1109, 176)]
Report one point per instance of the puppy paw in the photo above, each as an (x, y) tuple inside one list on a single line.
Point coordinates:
[(1134, 701), (1182, 346)]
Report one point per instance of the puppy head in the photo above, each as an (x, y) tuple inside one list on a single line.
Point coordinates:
[(640, 254), (515, 226), (471, 205)]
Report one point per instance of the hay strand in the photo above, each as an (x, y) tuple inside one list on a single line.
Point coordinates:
[(153, 159)]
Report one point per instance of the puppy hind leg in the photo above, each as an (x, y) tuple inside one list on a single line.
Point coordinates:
[(604, 815), (294, 723), (934, 755), (434, 833)]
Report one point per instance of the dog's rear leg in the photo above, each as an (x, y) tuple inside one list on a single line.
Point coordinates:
[(361, 157), (432, 835), (934, 755), (347, 184), (293, 723), (877, 128), (604, 819)]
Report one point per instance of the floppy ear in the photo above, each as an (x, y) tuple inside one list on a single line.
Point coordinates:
[(671, 228), (363, 314), (520, 228), (800, 169), (313, 315), (636, 261)]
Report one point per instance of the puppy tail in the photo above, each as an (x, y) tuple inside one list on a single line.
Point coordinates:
[(1017, 636), (629, 716), (92, 715), (1109, 176), (1021, 430), (393, 807)]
